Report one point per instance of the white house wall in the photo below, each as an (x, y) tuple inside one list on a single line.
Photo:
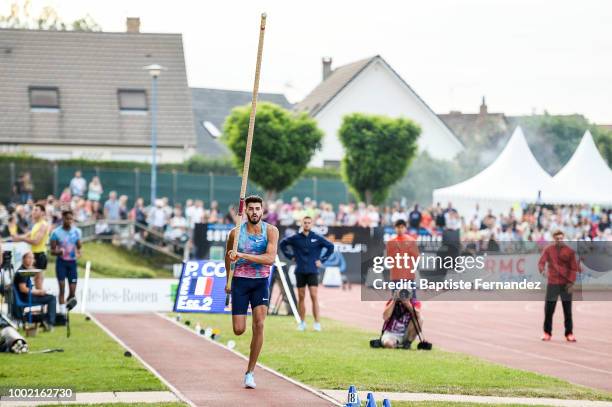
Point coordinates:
[(377, 90)]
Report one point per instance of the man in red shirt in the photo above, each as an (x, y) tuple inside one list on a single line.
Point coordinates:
[(403, 245), (561, 275)]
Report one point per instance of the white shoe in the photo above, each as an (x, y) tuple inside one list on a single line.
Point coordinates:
[(249, 380), (301, 326), (317, 326)]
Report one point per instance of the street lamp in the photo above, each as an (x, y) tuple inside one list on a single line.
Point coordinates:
[(154, 71)]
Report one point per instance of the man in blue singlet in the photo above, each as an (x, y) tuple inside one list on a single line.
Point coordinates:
[(256, 253)]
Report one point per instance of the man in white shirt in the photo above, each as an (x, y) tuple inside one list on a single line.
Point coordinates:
[(78, 185)]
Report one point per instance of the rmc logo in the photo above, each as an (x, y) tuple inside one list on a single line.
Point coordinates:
[(206, 269)]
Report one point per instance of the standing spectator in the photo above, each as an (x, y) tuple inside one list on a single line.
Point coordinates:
[(95, 190), (231, 216), (305, 248), (363, 216), (157, 216), (195, 213), (271, 215), (189, 207), (111, 207), (178, 226), (414, 218), (561, 275), (399, 214), (22, 219), (138, 212), (24, 187), (123, 207), (214, 215), (38, 239), (66, 245), (374, 216), (403, 245), (328, 217), (78, 185)]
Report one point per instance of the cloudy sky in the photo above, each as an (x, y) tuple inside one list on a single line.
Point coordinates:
[(524, 55)]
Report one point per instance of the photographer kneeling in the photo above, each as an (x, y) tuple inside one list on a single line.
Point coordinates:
[(39, 296), (399, 329)]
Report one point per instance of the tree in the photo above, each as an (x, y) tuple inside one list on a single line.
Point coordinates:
[(378, 150), (603, 139), (21, 16), (283, 144)]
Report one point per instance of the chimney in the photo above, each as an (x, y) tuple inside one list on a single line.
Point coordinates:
[(327, 69), (133, 24), (483, 108)]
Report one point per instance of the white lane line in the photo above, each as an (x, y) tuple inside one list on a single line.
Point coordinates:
[(264, 367), (148, 366)]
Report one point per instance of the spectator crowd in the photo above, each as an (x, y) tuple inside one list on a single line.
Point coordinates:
[(91, 203)]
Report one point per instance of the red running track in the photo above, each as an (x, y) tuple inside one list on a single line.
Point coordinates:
[(201, 371), (505, 332)]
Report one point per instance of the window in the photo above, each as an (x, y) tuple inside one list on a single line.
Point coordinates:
[(211, 128), (132, 100), (331, 164), (44, 97)]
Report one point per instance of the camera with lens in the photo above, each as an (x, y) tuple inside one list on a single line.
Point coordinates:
[(7, 259)]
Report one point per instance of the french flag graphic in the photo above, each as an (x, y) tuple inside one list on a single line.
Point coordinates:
[(204, 286)]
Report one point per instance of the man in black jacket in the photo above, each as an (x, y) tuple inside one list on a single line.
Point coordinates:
[(305, 248)]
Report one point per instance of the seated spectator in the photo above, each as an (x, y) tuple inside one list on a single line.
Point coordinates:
[(65, 197), (39, 296), (337, 260), (399, 329)]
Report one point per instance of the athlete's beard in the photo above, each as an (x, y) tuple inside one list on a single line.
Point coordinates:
[(253, 222)]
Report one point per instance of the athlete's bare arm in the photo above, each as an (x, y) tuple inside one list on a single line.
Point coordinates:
[(269, 256)]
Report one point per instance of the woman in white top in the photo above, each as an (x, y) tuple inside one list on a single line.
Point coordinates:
[(95, 190)]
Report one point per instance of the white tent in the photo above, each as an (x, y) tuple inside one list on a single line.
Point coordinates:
[(586, 178), (513, 178)]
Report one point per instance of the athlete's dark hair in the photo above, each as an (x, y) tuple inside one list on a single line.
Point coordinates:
[(41, 207), (400, 222), (253, 199), (307, 217), (67, 212)]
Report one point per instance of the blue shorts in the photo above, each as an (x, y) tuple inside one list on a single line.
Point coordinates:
[(249, 290), (66, 269)]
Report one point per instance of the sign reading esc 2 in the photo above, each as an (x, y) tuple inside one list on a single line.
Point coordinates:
[(201, 287)]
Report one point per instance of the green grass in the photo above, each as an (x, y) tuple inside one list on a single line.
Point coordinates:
[(91, 361), (340, 356), (109, 261)]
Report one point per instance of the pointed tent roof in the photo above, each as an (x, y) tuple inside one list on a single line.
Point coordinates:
[(514, 176), (586, 178)]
